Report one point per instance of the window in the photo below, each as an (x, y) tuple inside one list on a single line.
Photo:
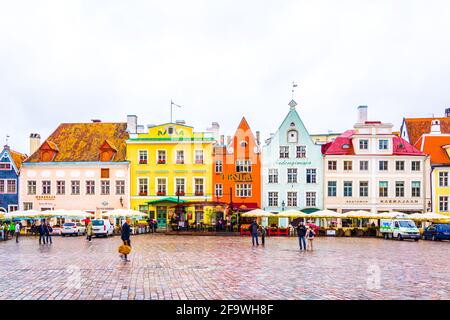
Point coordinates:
[(415, 189), (273, 175), (60, 187), (284, 152), (75, 186), (243, 190), (105, 186), (161, 156), (199, 186), (363, 189), (180, 186), (5, 166), (219, 166), (443, 204), (143, 156), (161, 186), (292, 136), (46, 187), (218, 190), (120, 187), (143, 186), (400, 165), (243, 166), (415, 166), (292, 175), (310, 199), (332, 165), (13, 207), (292, 199), (31, 187), (2, 186), (443, 179), (399, 188), (311, 175), (180, 156), (199, 156), (104, 173), (383, 165), (143, 208), (332, 188), (273, 199), (348, 165), (364, 144), (27, 205), (90, 187), (11, 186), (364, 165), (301, 151), (383, 189), (348, 189), (383, 144)]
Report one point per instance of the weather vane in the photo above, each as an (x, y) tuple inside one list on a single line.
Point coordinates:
[(171, 107), (7, 139), (294, 85)]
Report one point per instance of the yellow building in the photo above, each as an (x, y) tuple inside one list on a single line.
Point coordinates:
[(169, 163)]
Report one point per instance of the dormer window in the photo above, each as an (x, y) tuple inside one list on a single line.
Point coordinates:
[(48, 151), (345, 146), (170, 130), (292, 136), (107, 151), (244, 144)]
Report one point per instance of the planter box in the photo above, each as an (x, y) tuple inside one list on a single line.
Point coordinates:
[(179, 194), (142, 162), (161, 162), (160, 193), (143, 193)]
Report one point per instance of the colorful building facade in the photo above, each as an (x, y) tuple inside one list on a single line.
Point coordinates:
[(292, 170), (237, 169), (369, 168), (169, 164), (10, 166), (437, 145), (80, 166)]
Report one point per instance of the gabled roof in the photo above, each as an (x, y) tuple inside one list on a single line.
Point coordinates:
[(435, 146), (78, 142), (17, 157), (343, 145), (416, 127), (243, 127)]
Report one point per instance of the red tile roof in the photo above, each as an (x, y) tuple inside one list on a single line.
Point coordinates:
[(416, 127), (433, 145), (18, 158)]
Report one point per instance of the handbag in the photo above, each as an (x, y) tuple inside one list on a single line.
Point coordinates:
[(124, 249)]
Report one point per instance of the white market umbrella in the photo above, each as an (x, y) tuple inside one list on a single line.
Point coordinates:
[(429, 216), (292, 214), (123, 213), (360, 214), (54, 213), (325, 214), (257, 213), (391, 215), (79, 214), (25, 214)]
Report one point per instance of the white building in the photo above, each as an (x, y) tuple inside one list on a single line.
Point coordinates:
[(370, 168)]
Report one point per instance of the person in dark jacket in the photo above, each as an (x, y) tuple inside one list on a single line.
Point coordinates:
[(301, 233), (125, 236), (42, 232), (254, 231), (48, 232)]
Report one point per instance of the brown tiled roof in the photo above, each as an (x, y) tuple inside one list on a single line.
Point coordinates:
[(18, 158), (82, 141), (418, 126)]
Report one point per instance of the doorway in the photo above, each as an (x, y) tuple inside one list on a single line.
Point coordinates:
[(161, 216)]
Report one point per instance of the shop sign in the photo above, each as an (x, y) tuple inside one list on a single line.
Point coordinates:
[(294, 163), (356, 201), (104, 209), (172, 131), (48, 198), (238, 177), (399, 201)]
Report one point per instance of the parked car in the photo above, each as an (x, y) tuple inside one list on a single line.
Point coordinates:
[(437, 232), (73, 229), (399, 229), (102, 227), (56, 230)]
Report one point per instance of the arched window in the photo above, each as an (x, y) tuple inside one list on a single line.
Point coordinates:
[(292, 136)]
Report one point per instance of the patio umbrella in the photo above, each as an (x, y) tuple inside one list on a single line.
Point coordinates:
[(429, 216), (21, 214), (325, 214), (79, 214), (359, 214), (58, 213), (391, 215), (124, 213), (292, 214), (257, 213)]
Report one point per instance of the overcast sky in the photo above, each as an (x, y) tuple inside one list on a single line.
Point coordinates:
[(72, 61)]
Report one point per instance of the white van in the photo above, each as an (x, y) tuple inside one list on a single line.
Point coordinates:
[(399, 229), (102, 227)]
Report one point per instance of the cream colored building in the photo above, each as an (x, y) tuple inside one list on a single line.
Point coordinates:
[(370, 168)]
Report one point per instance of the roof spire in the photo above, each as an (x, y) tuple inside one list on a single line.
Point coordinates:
[(292, 104)]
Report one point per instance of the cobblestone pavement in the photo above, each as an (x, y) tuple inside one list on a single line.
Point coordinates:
[(187, 267)]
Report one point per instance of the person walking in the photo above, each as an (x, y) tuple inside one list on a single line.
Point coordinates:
[(89, 231), (310, 237), (12, 228), (125, 236), (254, 231), (42, 232), (17, 231), (2, 229), (48, 232), (263, 235), (301, 233)]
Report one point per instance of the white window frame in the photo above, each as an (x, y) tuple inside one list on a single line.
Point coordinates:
[(139, 156), (195, 188), (303, 153), (165, 184), (243, 190), (197, 159), (176, 186), (146, 185), (218, 190)]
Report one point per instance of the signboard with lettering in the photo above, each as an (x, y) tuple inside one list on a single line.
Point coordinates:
[(294, 163), (238, 177), (40, 198)]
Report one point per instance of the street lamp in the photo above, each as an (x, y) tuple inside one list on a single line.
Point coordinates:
[(282, 205)]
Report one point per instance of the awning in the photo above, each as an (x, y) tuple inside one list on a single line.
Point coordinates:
[(309, 210), (167, 199)]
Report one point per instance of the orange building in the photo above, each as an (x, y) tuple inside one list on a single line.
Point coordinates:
[(237, 169)]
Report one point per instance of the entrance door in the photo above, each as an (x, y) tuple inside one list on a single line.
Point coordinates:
[(161, 216)]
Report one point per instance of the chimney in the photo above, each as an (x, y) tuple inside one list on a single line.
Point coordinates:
[(132, 124), (447, 112), (222, 140), (214, 129), (96, 120), (35, 142), (362, 114), (228, 140), (258, 136), (435, 127), (181, 122)]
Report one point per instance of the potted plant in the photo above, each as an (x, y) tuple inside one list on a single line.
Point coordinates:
[(180, 161), (179, 193), (199, 193), (142, 193), (161, 161), (160, 193), (142, 161), (199, 161)]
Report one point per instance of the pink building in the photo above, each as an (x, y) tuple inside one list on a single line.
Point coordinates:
[(80, 166)]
